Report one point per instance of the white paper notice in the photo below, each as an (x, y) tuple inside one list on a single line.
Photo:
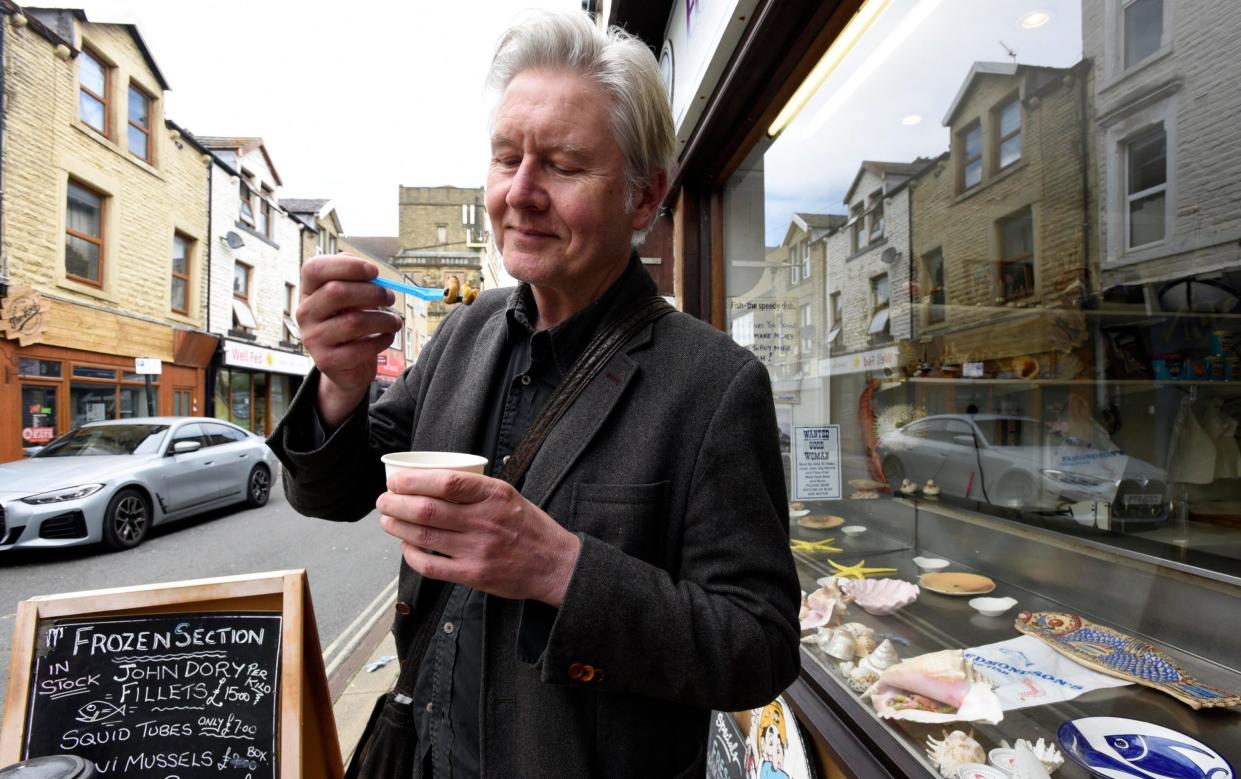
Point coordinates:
[(816, 458), (1027, 672)]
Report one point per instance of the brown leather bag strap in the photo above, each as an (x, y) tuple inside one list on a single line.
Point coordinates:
[(597, 354)]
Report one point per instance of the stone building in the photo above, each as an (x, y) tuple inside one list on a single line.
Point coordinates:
[(103, 231), (444, 232), (254, 286), (1001, 247)]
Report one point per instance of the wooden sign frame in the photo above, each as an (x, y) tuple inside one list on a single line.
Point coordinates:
[(307, 728)]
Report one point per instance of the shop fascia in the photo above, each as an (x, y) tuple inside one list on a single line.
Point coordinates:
[(259, 358)]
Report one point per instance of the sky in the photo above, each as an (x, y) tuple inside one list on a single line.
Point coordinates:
[(911, 63), (352, 99)]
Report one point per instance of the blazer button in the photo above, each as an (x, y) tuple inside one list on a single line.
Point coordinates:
[(575, 671), (588, 673), (402, 607)]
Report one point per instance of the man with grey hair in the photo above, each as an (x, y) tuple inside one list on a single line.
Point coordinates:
[(590, 615)]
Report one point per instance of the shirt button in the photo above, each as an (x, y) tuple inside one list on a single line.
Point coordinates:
[(525, 379), (430, 707), (505, 459), (575, 671), (449, 628), (402, 607)]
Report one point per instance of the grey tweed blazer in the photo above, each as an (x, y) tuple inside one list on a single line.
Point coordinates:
[(668, 468)]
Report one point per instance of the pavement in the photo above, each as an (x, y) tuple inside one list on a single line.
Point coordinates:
[(370, 670)]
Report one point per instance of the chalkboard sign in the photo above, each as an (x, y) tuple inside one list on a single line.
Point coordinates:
[(726, 750), (142, 696), (210, 678)]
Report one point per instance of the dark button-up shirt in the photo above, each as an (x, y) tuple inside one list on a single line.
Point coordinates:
[(447, 690)]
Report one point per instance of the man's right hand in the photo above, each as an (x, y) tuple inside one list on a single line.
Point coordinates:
[(344, 329)]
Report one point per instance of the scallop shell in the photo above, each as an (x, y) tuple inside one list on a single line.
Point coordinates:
[(882, 596), (1046, 752), (954, 750)]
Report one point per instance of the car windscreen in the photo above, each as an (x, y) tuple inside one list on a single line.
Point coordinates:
[(107, 439), (1015, 431)]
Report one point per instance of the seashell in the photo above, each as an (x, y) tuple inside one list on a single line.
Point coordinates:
[(864, 645), (839, 646), (1046, 752), (846, 667), (824, 637), (954, 750), (882, 658), (830, 601), (931, 488), (882, 596), (909, 487), (861, 678), (1027, 765), (858, 630)]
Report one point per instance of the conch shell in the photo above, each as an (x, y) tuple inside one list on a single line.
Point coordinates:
[(954, 750), (827, 606), (1047, 753)]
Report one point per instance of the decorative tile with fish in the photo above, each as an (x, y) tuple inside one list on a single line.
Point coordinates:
[(1117, 654), (1119, 748)]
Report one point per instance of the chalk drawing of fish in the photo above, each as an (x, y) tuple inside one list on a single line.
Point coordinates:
[(100, 711), (1145, 756)]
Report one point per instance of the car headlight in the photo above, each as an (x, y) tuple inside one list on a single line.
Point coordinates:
[(68, 493), (1077, 479)]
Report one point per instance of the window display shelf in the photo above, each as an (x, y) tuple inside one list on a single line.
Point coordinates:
[(935, 622)]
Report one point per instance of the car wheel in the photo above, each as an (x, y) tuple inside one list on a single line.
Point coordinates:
[(895, 473), (258, 487), (1016, 490), (127, 520)]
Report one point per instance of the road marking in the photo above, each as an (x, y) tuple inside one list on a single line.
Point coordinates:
[(351, 636)]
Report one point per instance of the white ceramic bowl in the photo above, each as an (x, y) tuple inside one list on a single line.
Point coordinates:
[(979, 771), (448, 461), (1003, 759), (799, 513), (992, 607), (931, 563), (853, 530)]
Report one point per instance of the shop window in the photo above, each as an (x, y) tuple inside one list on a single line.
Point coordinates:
[(88, 372), (180, 283), (880, 313), (239, 399), (136, 402), (935, 294), (807, 331), (84, 236), (139, 127), (264, 225), (93, 91), (794, 272), (43, 369), (857, 226), (805, 260), (92, 402), (1017, 256), (1143, 25), (247, 204), (38, 415), (1008, 137), (970, 153), (281, 390), (1146, 187), (243, 315)]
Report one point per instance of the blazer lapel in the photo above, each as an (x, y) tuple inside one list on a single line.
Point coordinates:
[(469, 397), (578, 427)]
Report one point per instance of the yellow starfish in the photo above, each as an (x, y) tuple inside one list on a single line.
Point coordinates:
[(858, 571), (823, 545)]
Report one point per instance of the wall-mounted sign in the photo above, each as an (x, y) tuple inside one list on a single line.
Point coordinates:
[(874, 360), (38, 435), (816, 463), (23, 315), (258, 358), (148, 365), (703, 35)]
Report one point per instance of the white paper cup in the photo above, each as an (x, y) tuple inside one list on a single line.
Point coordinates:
[(446, 461)]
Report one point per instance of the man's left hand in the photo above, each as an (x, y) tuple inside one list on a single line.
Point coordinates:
[(487, 536)]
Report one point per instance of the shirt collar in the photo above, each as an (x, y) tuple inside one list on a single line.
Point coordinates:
[(570, 338)]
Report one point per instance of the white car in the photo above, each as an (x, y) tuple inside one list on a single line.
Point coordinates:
[(1021, 463), (112, 481)]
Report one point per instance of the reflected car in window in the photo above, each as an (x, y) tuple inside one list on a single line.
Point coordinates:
[(112, 481), (1022, 463)]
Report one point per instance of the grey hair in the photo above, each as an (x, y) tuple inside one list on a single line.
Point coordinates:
[(620, 63)]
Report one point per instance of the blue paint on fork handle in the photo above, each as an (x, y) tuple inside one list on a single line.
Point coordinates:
[(422, 293)]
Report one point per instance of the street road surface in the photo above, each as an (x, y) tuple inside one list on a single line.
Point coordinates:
[(349, 564)]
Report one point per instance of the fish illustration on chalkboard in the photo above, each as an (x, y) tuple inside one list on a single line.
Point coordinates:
[(100, 711), (1117, 654), (1113, 747)]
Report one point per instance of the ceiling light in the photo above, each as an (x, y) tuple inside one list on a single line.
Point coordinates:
[(849, 36), (911, 120), (1035, 19)]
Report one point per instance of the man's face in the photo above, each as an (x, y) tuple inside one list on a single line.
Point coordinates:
[(556, 185)]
